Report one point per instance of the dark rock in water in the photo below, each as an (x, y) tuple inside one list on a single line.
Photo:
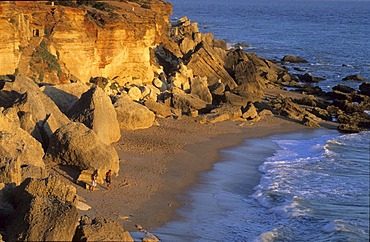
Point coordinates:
[(307, 77), (354, 78), (365, 88), (344, 88), (293, 59), (298, 69)]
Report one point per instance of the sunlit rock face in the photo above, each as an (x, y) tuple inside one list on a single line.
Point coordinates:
[(115, 42)]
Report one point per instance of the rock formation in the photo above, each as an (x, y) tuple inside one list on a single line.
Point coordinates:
[(78, 146), (96, 111), (44, 211)]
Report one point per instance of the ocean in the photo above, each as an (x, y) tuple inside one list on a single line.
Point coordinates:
[(306, 186)]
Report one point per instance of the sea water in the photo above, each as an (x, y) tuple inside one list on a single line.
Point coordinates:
[(332, 35), (296, 187), (311, 186)]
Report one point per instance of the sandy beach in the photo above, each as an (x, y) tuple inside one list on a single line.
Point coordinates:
[(159, 163)]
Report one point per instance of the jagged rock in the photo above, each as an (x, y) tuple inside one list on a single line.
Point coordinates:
[(187, 103), (365, 88), (96, 111), (232, 112), (354, 78), (160, 109), (250, 111), (46, 116), (206, 62), (235, 99), (347, 106), (321, 113), (266, 113), (309, 122), (291, 110), (293, 59), (20, 154), (132, 115), (217, 88), (65, 95), (78, 146), (199, 88), (44, 211), (100, 229), (219, 43), (337, 95), (187, 45), (216, 117)]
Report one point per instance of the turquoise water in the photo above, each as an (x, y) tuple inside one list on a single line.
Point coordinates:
[(296, 187)]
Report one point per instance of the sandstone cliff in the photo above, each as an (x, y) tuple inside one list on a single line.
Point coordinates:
[(83, 41)]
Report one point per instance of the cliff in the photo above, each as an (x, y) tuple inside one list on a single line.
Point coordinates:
[(112, 40)]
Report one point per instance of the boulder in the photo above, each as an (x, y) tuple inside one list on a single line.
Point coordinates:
[(206, 62), (20, 154), (46, 116), (250, 111), (365, 88), (160, 109), (199, 88), (78, 146), (354, 78), (187, 103), (235, 99), (293, 59), (44, 211), (132, 115), (344, 88), (100, 229), (307, 77), (96, 111), (232, 112), (65, 95)]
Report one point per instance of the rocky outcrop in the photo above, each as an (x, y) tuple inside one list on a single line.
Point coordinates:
[(100, 229), (65, 95), (96, 111), (20, 154), (132, 115), (35, 111), (44, 211), (78, 146)]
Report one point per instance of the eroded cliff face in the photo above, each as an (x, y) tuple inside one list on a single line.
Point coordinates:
[(115, 43)]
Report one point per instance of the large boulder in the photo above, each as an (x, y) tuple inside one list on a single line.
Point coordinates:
[(206, 62), (132, 115), (44, 211), (199, 88), (161, 110), (45, 116), (78, 146), (65, 95), (96, 111), (187, 103), (100, 229), (20, 154), (365, 88)]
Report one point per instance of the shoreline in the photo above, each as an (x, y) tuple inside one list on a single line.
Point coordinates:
[(160, 164)]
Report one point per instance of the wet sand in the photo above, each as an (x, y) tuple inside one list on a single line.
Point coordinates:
[(162, 162)]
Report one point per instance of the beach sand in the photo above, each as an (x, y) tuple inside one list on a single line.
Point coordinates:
[(159, 163)]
